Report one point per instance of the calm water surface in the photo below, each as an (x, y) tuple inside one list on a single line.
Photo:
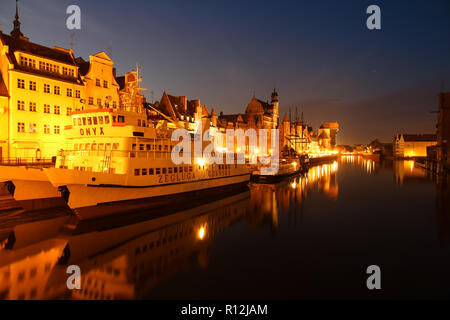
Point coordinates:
[(311, 236)]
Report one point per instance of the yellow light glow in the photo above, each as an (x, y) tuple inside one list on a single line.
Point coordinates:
[(293, 185), (201, 161), (257, 151), (201, 233)]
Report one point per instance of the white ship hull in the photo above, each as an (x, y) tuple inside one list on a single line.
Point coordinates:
[(30, 187), (94, 200)]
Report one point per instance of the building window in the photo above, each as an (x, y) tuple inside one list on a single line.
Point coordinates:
[(99, 102), (33, 106), (69, 92), (91, 100), (33, 85), (33, 128), (114, 104), (69, 111), (97, 82), (46, 88), (21, 83), (57, 110), (46, 108), (20, 127), (77, 94), (105, 84), (57, 90), (57, 130), (46, 128), (20, 105)]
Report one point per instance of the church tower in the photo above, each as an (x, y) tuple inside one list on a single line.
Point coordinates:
[(16, 31), (275, 108)]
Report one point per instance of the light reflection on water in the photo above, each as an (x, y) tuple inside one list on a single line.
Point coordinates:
[(317, 223)]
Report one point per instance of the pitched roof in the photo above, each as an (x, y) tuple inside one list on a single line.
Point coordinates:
[(3, 89), (419, 137), (285, 118), (20, 44)]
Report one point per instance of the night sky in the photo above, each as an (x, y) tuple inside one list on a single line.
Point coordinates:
[(319, 54)]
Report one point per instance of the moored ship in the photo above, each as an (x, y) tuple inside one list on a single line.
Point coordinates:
[(115, 161)]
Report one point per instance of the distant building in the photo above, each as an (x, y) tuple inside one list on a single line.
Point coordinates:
[(443, 130), (413, 145)]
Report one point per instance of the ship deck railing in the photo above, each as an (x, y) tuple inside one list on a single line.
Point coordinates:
[(29, 161)]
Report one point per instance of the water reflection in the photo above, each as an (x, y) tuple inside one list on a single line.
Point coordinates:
[(267, 200), (136, 258)]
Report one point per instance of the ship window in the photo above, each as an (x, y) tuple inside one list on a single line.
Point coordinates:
[(101, 146), (75, 146), (175, 170), (141, 147), (81, 146), (143, 123), (95, 120), (136, 172), (75, 168), (79, 121), (139, 122), (115, 146), (170, 170), (150, 171), (133, 146), (158, 171), (114, 118), (84, 121), (100, 120), (88, 146), (164, 170), (144, 172), (159, 147), (108, 146), (74, 122), (94, 146), (120, 118), (181, 169), (148, 147), (89, 120)]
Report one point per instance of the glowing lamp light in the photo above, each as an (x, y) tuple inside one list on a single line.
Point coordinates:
[(293, 185), (201, 161), (294, 164), (257, 151)]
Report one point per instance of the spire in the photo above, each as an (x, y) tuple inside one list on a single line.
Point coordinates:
[(16, 31)]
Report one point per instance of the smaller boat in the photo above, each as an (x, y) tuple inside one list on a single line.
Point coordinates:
[(287, 167)]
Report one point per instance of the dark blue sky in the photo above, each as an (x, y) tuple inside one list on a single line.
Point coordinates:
[(319, 54)]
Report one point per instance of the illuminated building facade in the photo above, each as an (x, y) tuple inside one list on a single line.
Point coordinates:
[(413, 145)]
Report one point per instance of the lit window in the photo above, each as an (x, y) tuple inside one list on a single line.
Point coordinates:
[(106, 119), (57, 130), (89, 121), (33, 128), (95, 120), (46, 128), (69, 111), (100, 119)]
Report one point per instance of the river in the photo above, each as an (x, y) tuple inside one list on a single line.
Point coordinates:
[(308, 237)]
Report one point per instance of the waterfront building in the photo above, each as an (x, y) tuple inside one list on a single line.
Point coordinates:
[(413, 145), (39, 88), (443, 131), (100, 85)]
